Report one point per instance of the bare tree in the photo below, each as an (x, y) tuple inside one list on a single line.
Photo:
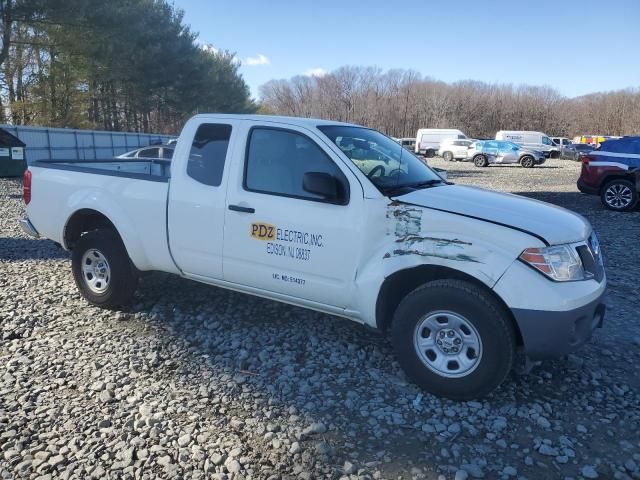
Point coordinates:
[(398, 102)]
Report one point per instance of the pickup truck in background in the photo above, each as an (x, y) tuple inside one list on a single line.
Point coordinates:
[(341, 219)]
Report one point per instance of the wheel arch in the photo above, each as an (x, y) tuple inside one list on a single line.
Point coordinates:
[(399, 284), (82, 221), (631, 177)]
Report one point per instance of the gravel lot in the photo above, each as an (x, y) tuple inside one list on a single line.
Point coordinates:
[(199, 382)]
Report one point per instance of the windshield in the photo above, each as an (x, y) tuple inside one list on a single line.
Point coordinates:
[(386, 163)]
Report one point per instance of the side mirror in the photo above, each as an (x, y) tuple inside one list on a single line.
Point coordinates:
[(323, 184)]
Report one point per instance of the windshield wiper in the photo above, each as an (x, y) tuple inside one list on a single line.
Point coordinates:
[(413, 186), (427, 183)]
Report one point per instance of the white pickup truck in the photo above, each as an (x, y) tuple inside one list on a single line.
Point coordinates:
[(337, 218)]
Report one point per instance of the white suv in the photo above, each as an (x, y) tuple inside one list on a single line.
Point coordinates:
[(454, 149)]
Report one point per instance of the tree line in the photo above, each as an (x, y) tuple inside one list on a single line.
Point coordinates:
[(115, 65), (399, 102)]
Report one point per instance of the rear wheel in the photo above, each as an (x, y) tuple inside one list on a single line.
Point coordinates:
[(619, 195), (448, 156), (527, 161), (102, 270), (480, 161), (453, 339)]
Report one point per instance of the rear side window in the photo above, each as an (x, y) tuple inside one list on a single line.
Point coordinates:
[(278, 159), (208, 153)]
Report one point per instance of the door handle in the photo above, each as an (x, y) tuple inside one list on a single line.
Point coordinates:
[(238, 208)]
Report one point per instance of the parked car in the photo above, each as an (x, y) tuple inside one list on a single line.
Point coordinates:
[(534, 140), (408, 142), (454, 149), (580, 149), (566, 146), (162, 151), (487, 152), (613, 172), (460, 277), (428, 139)]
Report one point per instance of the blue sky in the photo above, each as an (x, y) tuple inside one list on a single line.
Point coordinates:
[(575, 46)]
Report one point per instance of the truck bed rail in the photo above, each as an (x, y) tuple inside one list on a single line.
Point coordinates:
[(152, 169)]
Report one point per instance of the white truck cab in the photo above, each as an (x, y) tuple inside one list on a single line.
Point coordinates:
[(341, 219)]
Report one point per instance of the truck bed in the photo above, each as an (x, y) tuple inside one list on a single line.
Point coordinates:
[(130, 193)]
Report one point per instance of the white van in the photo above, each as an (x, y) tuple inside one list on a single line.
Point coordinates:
[(533, 140), (428, 139)]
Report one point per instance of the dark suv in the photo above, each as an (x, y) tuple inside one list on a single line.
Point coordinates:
[(613, 172)]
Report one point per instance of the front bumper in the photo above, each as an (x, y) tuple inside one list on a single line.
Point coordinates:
[(553, 318), (28, 228), (549, 334)]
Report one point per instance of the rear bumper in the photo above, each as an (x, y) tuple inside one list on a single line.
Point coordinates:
[(588, 189), (549, 334), (28, 228)]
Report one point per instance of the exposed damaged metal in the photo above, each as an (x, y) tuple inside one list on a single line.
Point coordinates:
[(406, 225), (460, 257), (441, 242), (406, 220)]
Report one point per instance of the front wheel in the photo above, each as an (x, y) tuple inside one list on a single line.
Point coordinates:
[(619, 195), (448, 156), (453, 339), (527, 161), (102, 270)]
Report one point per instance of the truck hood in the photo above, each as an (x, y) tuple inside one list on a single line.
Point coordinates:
[(555, 225)]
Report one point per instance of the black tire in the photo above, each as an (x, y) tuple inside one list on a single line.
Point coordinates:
[(480, 161), (478, 307), (448, 156), (430, 153), (619, 195), (527, 161), (120, 285)]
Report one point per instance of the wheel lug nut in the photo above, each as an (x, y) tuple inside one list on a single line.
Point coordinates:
[(446, 350), (450, 333), (439, 342), (457, 341)]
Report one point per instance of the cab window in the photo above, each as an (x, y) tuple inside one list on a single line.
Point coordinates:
[(208, 153)]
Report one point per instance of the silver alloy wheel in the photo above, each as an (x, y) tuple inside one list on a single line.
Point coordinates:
[(448, 344), (618, 196), (448, 156), (96, 271), (527, 162)]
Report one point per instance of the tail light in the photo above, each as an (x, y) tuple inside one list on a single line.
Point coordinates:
[(26, 187), (586, 159)]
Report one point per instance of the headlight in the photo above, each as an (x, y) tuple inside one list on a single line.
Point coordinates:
[(560, 263)]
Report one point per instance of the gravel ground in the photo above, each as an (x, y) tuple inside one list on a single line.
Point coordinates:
[(199, 382)]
